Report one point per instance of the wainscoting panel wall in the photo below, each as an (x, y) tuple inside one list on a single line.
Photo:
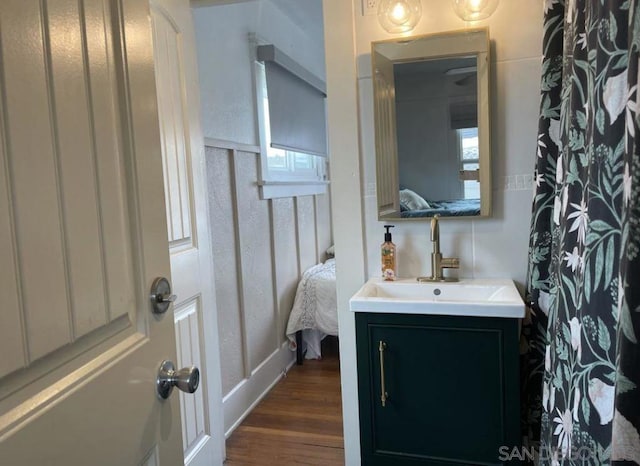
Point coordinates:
[(286, 268), (254, 229), (222, 205), (307, 244), (260, 250), (324, 233)]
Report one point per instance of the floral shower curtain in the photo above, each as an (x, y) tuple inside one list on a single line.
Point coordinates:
[(581, 357)]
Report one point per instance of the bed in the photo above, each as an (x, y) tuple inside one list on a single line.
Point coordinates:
[(314, 314), (454, 208), (413, 205)]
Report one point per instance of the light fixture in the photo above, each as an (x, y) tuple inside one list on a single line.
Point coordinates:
[(399, 15), (474, 10)]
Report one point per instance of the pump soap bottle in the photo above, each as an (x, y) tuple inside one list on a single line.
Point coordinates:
[(388, 250)]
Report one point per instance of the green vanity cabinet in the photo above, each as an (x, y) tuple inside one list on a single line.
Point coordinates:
[(451, 384)]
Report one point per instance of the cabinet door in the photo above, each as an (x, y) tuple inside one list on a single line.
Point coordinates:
[(451, 388)]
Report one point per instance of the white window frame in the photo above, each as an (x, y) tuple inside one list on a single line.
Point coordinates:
[(290, 180), (462, 161)]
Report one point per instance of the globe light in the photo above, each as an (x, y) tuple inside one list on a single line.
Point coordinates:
[(474, 10), (399, 15)]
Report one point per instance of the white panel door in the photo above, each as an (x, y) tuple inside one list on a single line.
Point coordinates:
[(385, 125), (188, 231), (82, 237)]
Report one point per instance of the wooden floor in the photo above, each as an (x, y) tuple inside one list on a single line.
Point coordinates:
[(298, 423)]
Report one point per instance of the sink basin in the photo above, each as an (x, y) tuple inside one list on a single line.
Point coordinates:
[(467, 297)]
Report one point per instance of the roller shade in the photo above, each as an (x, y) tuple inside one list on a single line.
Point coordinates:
[(463, 115), (296, 104)]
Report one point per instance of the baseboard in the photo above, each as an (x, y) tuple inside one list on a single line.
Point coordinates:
[(247, 394)]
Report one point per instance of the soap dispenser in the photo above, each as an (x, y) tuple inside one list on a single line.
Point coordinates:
[(388, 252)]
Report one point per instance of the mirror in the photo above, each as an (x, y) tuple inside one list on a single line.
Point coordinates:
[(431, 112)]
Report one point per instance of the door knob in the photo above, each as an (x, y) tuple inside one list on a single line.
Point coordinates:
[(161, 296), (186, 379)]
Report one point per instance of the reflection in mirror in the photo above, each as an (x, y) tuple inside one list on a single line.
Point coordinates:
[(432, 125)]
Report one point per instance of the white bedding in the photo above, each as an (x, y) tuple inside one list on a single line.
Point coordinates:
[(314, 309)]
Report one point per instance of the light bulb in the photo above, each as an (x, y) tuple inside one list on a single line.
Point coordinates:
[(474, 10), (476, 5), (399, 15)]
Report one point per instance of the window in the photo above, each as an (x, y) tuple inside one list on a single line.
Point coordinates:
[(469, 161), (291, 122)]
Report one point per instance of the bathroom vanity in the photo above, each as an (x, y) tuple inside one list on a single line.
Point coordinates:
[(438, 376)]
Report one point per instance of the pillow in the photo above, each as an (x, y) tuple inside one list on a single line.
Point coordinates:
[(413, 200), (331, 252)]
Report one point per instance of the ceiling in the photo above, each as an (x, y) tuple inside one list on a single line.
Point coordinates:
[(305, 13), (435, 66)]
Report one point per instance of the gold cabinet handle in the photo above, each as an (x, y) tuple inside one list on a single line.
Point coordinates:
[(383, 392)]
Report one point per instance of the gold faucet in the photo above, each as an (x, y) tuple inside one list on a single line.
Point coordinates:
[(438, 263)]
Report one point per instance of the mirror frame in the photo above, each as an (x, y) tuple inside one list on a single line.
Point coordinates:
[(451, 44)]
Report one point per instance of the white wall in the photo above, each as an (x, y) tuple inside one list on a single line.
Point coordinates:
[(260, 247), (494, 247), (225, 66), (346, 196)]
